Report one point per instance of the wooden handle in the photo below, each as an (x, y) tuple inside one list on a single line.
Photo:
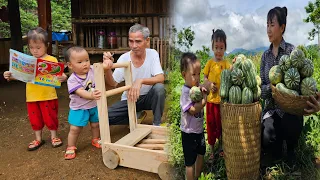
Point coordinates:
[(120, 65), (117, 90)]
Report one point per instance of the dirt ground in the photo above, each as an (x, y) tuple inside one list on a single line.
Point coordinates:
[(47, 162)]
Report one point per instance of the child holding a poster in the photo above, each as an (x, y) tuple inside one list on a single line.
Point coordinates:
[(83, 96), (42, 101)]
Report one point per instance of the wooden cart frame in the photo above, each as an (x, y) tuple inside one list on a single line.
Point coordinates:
[(144, 147)]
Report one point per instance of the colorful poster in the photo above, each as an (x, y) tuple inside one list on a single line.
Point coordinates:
[(38, 71), (47, 73)]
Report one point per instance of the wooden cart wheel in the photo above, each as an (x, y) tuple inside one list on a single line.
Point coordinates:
[(165, 171), (111, 159)]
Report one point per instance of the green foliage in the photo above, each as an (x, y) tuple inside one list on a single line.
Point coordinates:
[(61, 16), (203, 55), (313, 11), (185, 38)]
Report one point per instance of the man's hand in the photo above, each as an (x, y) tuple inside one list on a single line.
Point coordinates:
[(134, 91), (107, 60), (96, 94), (7, 75), (63, 77)]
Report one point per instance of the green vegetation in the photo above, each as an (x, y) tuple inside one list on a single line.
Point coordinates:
[(309, 144), (61, 16)]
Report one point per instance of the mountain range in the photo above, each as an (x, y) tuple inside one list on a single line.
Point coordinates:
[(248, 52)]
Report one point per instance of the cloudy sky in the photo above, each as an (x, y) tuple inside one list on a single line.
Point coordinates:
[(244, 21)]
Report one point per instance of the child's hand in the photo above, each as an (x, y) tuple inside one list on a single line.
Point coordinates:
[(107, 60), (213, 87), (96, 94), (63, 77), (204, 92), (7, 75), (234, 60)]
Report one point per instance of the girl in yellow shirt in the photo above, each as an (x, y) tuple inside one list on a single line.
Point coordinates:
[(212, 72), (42, 101)]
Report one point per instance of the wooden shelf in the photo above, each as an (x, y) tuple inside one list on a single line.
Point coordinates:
[(101, 51), (107, 20)]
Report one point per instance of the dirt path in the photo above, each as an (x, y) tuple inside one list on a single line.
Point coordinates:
[(15, 132)]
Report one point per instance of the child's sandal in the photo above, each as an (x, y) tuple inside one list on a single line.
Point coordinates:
[(70, 153), (35, 144), (56, 142), (96, 142)]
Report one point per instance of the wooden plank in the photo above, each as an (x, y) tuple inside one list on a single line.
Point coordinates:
[(124, 39), (134, 136), (94, 50), (161, 52), (153, 141), (102, 104), (156, 26), (107, 20), (138, 158), (149, 24), (131, 105), (15, 25), (156, 136), (151, 146)]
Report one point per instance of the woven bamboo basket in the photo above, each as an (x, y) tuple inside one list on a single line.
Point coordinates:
[(241, 140), (290, 103)]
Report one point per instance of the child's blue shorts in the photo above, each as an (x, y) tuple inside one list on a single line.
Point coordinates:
[(81, 117)]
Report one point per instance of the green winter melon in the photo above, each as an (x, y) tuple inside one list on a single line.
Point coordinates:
[(297, 58), (247, 96), (284, 63), (275, 75), (239, 59), (244, 84), (235, 95), (258, 80), (307, 69), (308, 86), (237, 76), (225, 85), (292, 79), (282, 88), (256, 94), (195, 94)]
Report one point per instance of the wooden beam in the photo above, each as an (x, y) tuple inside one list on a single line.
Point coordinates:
[(15, 25), (138, 158), (151, 146), (134, 137), (108, 20), (44, 16), (75, 9), (102, 104)]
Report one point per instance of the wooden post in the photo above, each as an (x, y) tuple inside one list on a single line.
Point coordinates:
[(44, 16), (131, 105), (102, 105), (15, 25)]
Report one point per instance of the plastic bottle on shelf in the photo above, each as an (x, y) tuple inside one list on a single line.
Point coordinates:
[(112, 40), (101, 39)]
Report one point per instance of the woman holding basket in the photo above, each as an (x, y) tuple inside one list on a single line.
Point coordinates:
[(277, 125)]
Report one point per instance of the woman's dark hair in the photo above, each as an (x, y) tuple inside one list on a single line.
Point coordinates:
[(280, 14), (38, 33), (187, 58), (219, 35)]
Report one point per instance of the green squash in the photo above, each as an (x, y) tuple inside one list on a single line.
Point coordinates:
[(275, 75), (284, 63), (235, 95), (282, 88), (297, 58), (247, 96), (307, 69), (292, 79), (308, 86), (225, 85), (237, 76)]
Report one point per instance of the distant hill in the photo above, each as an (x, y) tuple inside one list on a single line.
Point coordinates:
[(248, 52)]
